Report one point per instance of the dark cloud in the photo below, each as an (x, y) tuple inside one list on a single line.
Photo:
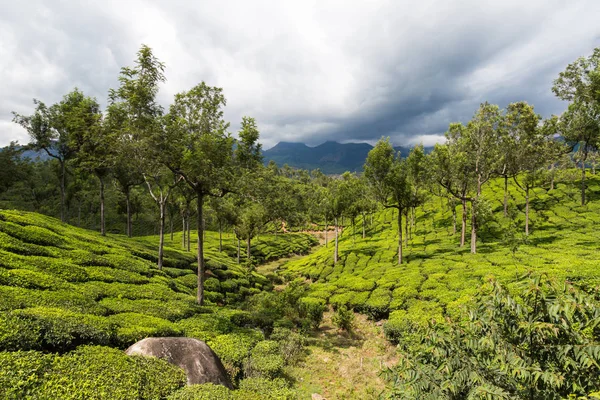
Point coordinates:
[(308, 71)]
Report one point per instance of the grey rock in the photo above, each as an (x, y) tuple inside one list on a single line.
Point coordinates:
[(199, 362)]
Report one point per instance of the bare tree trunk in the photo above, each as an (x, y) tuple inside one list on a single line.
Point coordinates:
[(189, 229), (62, 191), (238, 250), (464, 223), (161, 233), (399, 237), (183, 230), (527, 210), (335, 251), (128, 204), (552, 172), (583, 181), (171, 225), (326, 231), (200, 258), (102, 222), (406, 227), (248, 247), (453, 221), (363, 225), (473, 229), (220, 236), (505, 195)]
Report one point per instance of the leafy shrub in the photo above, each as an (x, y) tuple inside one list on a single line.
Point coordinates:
[(22, 372), (31, 279), (206, 391), (543, 345), (234, 348), (96, 372), (52, 329), (170, 310), (132, 327), (291, 344), (312, 310), (108, 274), (264, 361), (343, 318)]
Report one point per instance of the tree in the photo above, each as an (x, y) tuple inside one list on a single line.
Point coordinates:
[(197, 146), (50, 129), (530, 152), (538, 346), (579, 83), (340, 197), (481, 137), (92, 141), (580, 125), (387, 174), (14, 169), (449, 167)]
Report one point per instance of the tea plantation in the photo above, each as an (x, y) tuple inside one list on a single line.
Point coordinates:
[(72, 299), (440, 276)]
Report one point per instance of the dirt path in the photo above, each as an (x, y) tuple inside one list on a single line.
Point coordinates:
[(342, 366)]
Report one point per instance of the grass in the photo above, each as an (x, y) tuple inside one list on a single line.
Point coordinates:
[(439, 276)]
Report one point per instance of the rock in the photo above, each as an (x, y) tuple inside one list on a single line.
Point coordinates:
[(199, 362), (317, 396)]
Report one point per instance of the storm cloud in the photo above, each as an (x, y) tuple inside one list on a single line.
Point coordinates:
[(308, 71)]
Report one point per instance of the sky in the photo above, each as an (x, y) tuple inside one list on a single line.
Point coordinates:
[(307, 71)]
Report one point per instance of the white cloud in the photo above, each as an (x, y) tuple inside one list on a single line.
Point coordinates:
[(306, 70)]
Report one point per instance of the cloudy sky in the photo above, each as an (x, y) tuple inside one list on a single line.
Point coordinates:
[(306, 70)]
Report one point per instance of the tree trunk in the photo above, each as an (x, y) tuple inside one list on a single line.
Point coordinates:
[(171, 225), (128, 204), (463, 230), (583, 181), (399, 237), (453, 220), (326, 231), (189, 229), (406, 227), (161, 234), (248, 255), (79, 213), (102, 222), (62, 191), (220, 236), (363, 225), (183, 230), (505, 195), (353, 232), (335, 251), (552, 177), (238, 250), (200, 297), (473, 229), (527, 210)]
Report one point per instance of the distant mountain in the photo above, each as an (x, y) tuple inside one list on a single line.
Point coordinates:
[(330, 157)]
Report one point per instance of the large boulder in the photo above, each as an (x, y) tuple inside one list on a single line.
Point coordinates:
[(199, 362)]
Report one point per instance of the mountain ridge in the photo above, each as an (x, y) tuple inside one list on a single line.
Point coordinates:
[(330, 157)]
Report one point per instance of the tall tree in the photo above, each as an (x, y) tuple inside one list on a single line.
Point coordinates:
[(530, 153), (94, 144), (579, 83), (50, 130), (197, 146), (387, 174)]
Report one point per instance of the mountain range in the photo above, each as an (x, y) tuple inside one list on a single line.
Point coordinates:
[(330, 157)]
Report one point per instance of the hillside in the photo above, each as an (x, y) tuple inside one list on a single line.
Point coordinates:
[(66, 291), (330, 157), (439, 276)]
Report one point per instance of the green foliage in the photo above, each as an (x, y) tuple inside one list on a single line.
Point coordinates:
[(206, 391), (541, 345), (90, 372), (265, 361), (343, 319)]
